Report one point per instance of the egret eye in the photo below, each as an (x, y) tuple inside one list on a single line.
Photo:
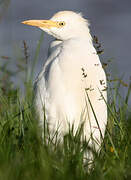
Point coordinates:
[(62, 23)]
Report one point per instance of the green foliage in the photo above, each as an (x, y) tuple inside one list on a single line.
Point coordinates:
[(25, 155)]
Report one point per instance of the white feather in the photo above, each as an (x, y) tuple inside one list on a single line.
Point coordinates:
[(72, 71)]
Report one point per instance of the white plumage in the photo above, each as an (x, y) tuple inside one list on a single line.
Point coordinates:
[(70, 77)]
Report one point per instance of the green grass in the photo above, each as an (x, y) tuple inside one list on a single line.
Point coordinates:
[(25, 155)]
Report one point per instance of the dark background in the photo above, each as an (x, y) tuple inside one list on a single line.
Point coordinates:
[(110, 21)]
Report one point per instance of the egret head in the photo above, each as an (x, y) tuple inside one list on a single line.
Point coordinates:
[(63, 25)]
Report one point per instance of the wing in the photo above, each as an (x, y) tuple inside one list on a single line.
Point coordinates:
[(96, 93)]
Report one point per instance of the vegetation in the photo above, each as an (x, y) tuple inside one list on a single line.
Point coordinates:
[(25, 155)]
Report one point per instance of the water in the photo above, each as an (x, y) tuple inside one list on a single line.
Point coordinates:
[(110, 21)]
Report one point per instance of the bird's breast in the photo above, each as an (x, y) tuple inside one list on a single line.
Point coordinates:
[(65, 74)]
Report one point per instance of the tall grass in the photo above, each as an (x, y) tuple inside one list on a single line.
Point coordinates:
[(25, 155)]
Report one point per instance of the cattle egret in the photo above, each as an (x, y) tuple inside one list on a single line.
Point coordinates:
[(71, 87)]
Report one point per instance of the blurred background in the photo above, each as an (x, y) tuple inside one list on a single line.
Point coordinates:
[(110, 21)]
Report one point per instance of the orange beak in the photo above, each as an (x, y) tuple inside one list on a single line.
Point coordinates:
[(41, 23)]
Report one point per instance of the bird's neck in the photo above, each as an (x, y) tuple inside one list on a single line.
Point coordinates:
[(79, 43)]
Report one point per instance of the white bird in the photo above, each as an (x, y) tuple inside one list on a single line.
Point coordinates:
[(72, 84)]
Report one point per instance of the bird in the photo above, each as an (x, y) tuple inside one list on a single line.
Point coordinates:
[(71, 87)]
